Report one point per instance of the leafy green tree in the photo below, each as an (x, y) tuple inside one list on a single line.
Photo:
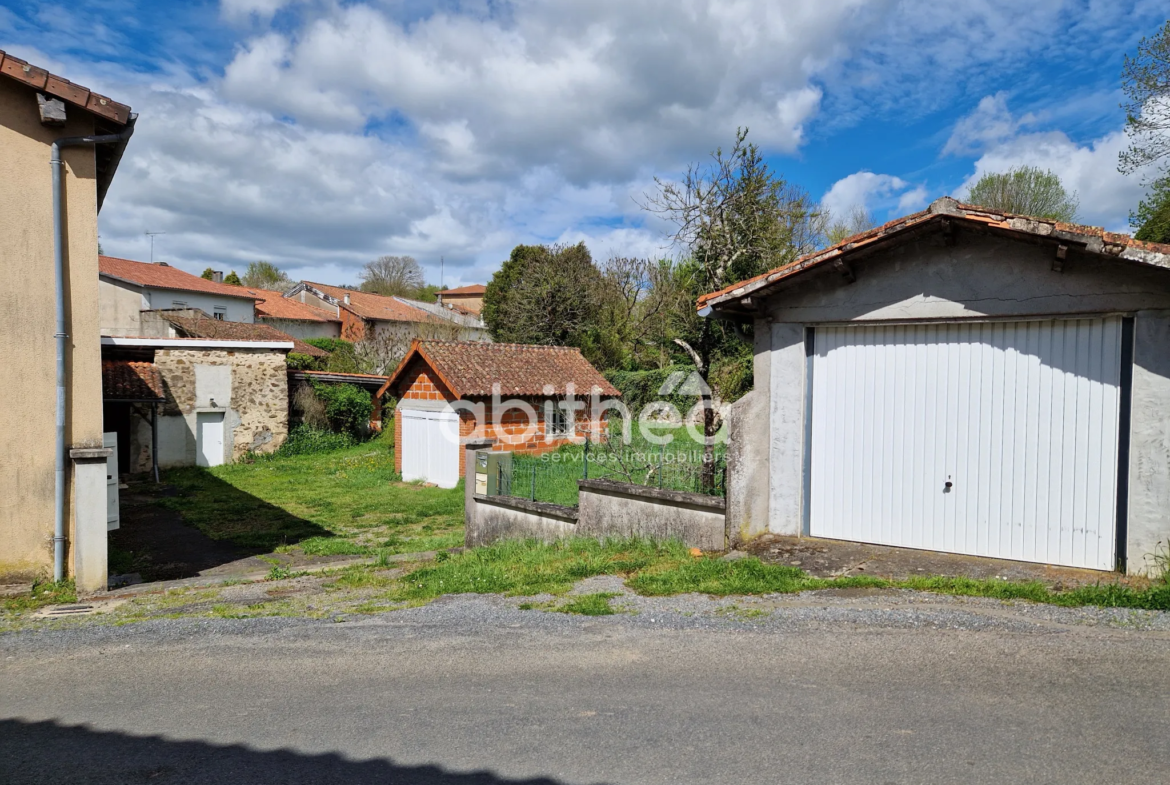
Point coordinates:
[(266, 275), (853, 221), (232, 279), (208, 274), (1146, 83), (545, 295), (1152, 218), (1025, 190)]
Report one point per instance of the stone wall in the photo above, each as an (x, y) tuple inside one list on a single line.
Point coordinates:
[(251, 385)]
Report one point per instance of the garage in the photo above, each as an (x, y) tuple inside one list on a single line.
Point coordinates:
[(990, 438), (959, 380), (430, 446)]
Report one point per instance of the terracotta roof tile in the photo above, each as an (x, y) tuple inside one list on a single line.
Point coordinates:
[(40, 79), (1093, 238), (159, 276), (220, 330), (376, 306), (471, 369), (475, 288), (123, 380), (274, 305)]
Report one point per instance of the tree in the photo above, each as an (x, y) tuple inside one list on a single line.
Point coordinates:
[(635, 324), (1152, 218), (393, 276), (266, 275), (544, 295), (855, 220), (734, 218), (1025, 190), (1145, 80), (232, 279), (208, 274)]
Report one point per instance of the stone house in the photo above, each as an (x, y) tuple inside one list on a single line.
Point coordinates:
[(219, 399), (960, 380), (515, 396), (60, 143)]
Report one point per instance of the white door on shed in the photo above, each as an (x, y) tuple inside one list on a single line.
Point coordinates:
[(113, 508), (430, 446), (208, 438), (988, 438)]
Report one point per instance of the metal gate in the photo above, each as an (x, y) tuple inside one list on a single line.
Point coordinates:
[(988, 438)]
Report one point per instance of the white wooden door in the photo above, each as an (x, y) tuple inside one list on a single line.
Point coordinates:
[(430, 447), (113, 510), (993, 439), (209, 438)]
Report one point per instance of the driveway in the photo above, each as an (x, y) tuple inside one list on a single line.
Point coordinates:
[(827, 689)]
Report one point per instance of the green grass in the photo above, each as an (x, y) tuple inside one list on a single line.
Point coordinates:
[(345, 502), (552, 477), (590, 604), (41, 594), (524, 568)]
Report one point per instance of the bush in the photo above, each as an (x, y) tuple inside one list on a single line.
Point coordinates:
[(306, 440), (639, 388), (347, 406), (301, 362)]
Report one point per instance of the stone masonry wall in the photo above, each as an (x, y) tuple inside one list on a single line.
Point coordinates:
[(258, 403)]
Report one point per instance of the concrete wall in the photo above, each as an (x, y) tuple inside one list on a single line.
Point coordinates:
[(27, 323), (119, 308), (978, 277), (618, 509), (250, 384), (304, 330), (236, 309), (606, 509)]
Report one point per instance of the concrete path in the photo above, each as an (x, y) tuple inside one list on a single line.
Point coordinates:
[(473, 690)]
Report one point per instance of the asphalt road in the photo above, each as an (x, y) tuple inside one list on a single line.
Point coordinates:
[(469, 692)]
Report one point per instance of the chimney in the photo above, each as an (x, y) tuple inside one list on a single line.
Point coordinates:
[(217, 276), (347, 299)]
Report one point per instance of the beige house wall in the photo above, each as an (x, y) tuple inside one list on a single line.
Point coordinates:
[(119, 308), (27, 323)]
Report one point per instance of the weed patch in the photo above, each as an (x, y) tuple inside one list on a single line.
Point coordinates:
[(590, 604)]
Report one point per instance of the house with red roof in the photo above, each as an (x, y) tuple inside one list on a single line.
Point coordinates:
[(296, 318), (518, 397), (963, 380), (467, 299)]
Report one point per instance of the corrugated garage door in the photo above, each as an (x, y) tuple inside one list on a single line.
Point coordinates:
[(430, 446), (1021, 419)]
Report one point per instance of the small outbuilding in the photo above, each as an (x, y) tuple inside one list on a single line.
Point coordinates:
[(519, 397), (960, 380)]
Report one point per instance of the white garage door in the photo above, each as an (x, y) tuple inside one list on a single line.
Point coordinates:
[(994, 439), (430, 447)]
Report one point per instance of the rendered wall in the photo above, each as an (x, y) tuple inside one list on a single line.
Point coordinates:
[(304, 330), (119, 308), (979, 276), (27, 323)]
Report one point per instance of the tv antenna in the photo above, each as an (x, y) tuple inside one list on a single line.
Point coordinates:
[(441, 261), (151, 235)]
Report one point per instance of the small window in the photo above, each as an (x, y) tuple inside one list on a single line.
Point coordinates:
[(557, 424), (220, 312)]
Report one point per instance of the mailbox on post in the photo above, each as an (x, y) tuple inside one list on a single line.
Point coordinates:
[(493, 473)]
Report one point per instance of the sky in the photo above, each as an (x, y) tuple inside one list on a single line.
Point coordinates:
[(320, 134)]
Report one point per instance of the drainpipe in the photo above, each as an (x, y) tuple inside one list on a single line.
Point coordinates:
[(61, 336)]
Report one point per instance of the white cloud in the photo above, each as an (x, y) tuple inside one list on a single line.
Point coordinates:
[(991, 123), (1090, 169), (237, 10), (878, 193)]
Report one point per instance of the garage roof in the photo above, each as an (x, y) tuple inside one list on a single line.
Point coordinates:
[(124, 380), (1092, 239), (472, 369)]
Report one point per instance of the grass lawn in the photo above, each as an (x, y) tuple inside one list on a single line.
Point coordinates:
[(522, 568), (552, 477), (348, 501)]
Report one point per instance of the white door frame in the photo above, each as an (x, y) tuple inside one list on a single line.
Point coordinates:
[(210, 418), (435, 429)]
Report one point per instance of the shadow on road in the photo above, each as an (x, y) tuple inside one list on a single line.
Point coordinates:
[(50, 753)]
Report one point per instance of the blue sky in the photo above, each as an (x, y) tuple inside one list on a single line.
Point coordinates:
[(321, 133)]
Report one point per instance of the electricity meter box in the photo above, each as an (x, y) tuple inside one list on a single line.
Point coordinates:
[(493, 473)]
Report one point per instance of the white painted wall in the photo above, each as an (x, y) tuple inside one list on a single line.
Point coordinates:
[(237, 309), (304, 330), (120, 305)]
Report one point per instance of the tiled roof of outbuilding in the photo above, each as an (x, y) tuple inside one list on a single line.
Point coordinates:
[(1092, 239), (376, 306), (274, 305), (220, 330), (475, 288), (123, 380), (472, 369)]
